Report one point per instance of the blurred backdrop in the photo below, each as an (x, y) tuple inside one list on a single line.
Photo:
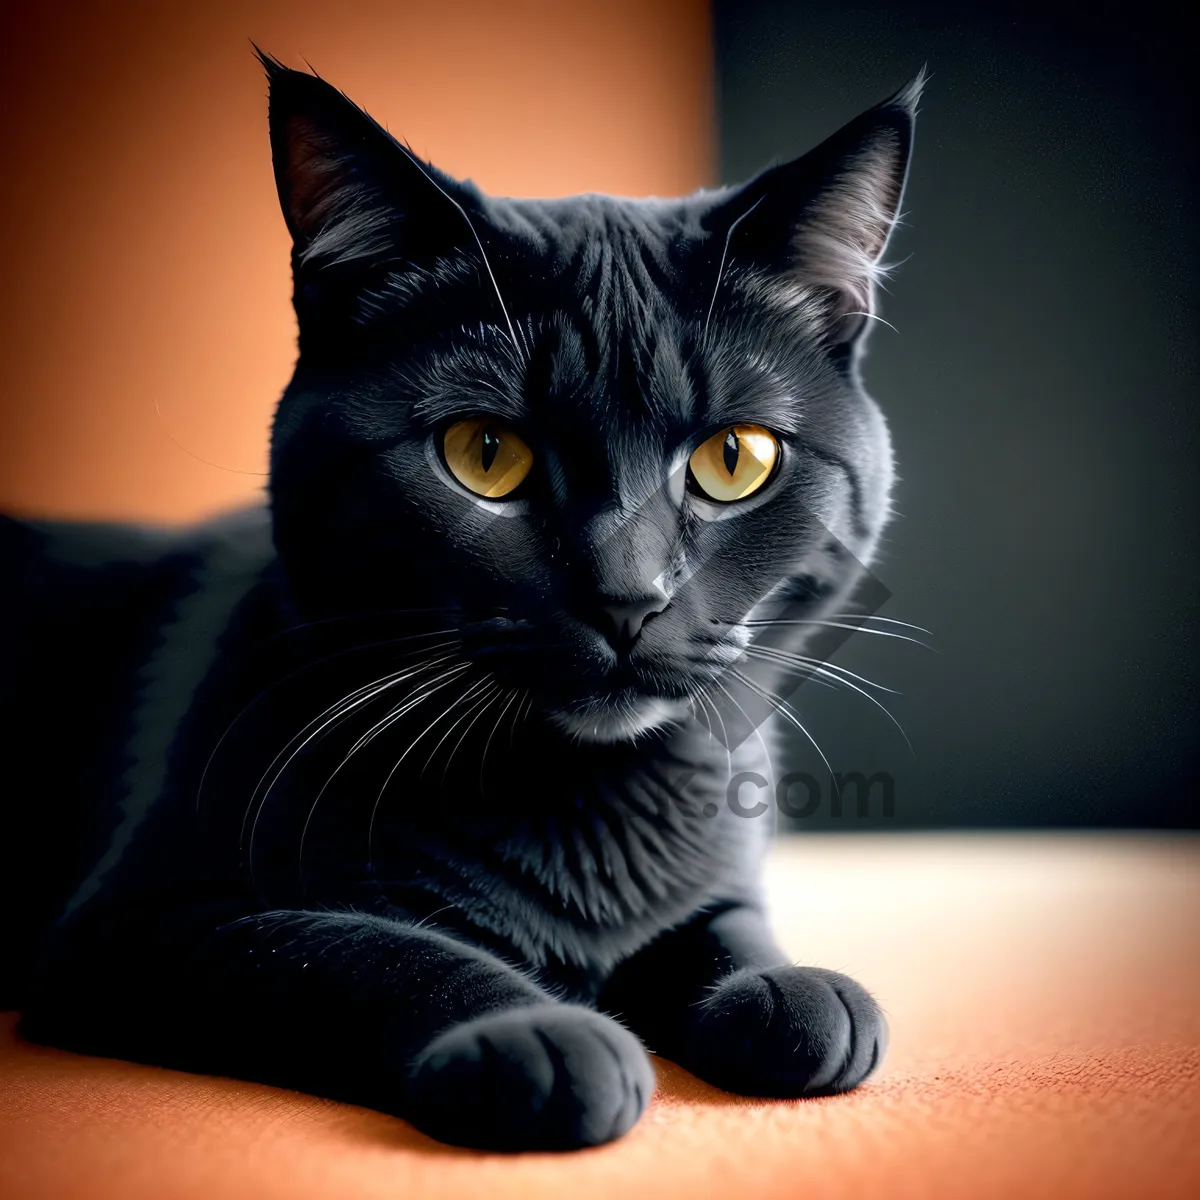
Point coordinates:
[(148, 281), (1041, 384), (1042, 392)]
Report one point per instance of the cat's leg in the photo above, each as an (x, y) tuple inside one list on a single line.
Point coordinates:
[(357, 1007), (719, 997)]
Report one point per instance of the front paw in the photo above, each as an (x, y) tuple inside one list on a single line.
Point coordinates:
[(786, 1031), (549, 1077)]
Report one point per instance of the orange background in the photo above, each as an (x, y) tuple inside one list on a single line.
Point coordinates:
[(146, 301)]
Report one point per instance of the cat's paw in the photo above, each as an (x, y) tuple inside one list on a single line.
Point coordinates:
[(786, 1031), (549, 1077)]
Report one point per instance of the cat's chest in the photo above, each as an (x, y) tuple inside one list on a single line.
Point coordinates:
[(584, 884)]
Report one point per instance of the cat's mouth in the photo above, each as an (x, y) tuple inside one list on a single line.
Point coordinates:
[(624, 717), (579, 686)]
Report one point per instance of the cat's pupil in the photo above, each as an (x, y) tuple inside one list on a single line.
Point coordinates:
[(491, 444), (730, 452)]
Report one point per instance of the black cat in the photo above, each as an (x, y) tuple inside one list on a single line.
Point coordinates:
[(410, 790)]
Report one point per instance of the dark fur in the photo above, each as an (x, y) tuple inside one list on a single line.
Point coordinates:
[(520, 881)]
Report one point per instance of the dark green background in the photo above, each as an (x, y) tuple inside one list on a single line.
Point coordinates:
[(1042, 396)]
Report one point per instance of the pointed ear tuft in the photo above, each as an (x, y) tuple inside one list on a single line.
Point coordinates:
[(269, 62), (909, 96), (818, 226), (356, 201), (333, 169)]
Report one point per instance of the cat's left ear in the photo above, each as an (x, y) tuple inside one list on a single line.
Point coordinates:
[(356, 201), (815, 229)]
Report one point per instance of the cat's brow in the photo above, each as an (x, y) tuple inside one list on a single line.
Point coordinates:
[(779, 411), (476, 397)]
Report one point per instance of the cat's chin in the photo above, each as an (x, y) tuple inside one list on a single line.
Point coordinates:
[(603, 724)]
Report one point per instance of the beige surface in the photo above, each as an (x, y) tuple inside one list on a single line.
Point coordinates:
[(1044, 997)]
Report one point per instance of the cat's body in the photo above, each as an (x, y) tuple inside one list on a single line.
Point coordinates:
[(533, 843), (390, 792)]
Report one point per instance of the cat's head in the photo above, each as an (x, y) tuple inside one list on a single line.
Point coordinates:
[(591, 435)]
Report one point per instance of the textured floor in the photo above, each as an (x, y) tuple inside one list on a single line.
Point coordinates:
[(1044, 998)]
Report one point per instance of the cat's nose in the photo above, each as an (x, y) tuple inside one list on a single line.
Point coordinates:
[(621, 619)]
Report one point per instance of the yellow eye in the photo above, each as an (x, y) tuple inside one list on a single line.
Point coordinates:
[(734, 463), (486, 457)]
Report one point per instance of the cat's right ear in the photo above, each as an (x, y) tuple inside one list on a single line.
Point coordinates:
[(353, 197), (814, 230)]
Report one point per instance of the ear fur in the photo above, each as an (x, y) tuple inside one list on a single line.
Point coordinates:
[(350, 192), (818, 226)]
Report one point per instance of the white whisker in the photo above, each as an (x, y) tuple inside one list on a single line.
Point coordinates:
[(408, 704), (485, 702), (706, 699), (803, 660), (873, 317), (762, 744), (838, 625), (721, 269), (308, 666), (813, 665), (340, 711), (527, 703), (447, 677), (397, 764), (487, 745), (885, 620), (784, 709), (512, 333), (471, 692)]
